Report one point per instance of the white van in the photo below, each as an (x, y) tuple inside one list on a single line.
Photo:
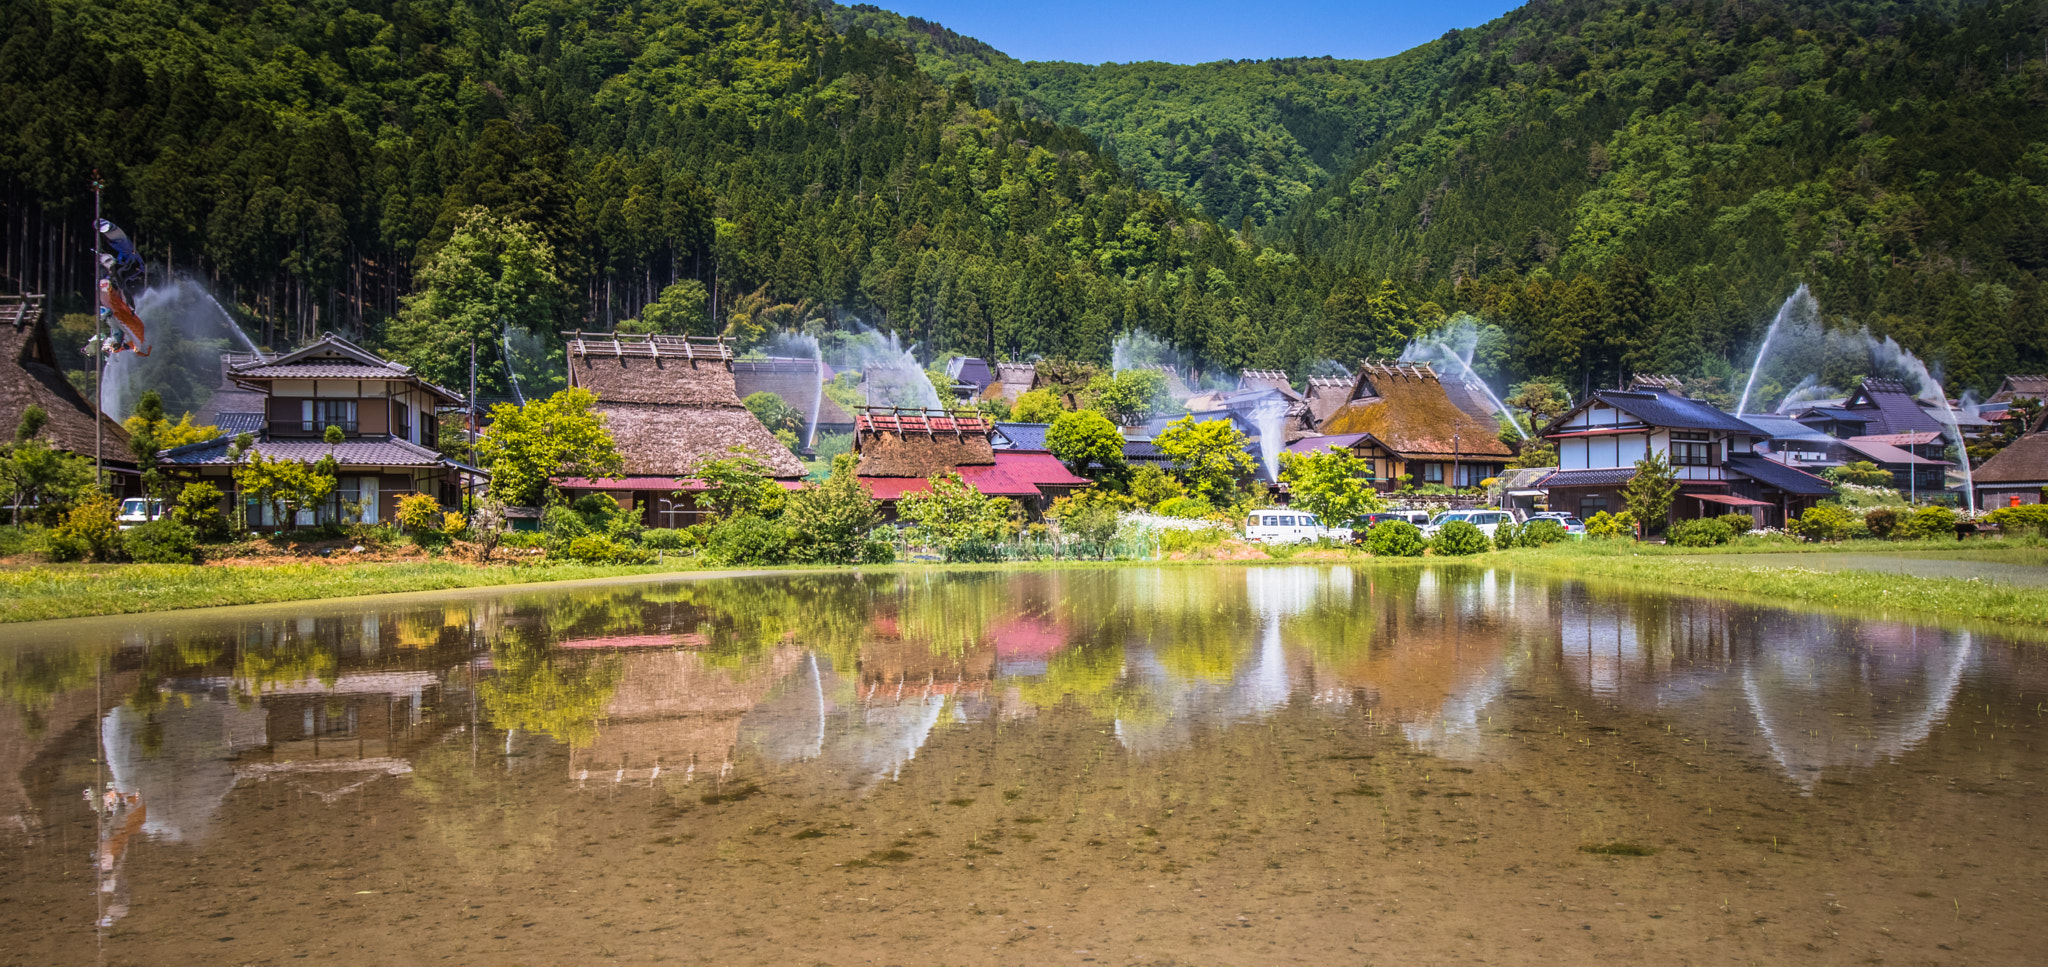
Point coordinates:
[(1283, 526), (1487, 521), (139, 510)]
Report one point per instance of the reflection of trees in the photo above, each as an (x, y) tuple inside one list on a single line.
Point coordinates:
[(1091, 677), (32, 678), (539, 688)]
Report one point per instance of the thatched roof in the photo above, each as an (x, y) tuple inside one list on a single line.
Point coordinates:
[(1651, 381), (668, 411), (2024, 460), (29, 377), (1272, 379), (1326, 395), (1407, 408), (897, 444), (1012, 380), (2021, 387)]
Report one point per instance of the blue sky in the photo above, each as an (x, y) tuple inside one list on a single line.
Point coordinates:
[(1194, 31)]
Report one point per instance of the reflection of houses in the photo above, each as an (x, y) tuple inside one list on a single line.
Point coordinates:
[(2017, 474), (29, 376), (800, 383), (386, 414), (670, 402), (1405, 421), (675, 713), (900, 450)]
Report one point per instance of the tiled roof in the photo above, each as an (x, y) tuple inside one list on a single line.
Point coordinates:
[(348, 453), (324, 369), (1668, 410), (1885, 453), (1339, 441), (1834, 413), (1891, 408), (233, 423), (1921, 438), (1788, 479), (1786, 428), (1599, 477), (1014, 474), (1021, 436)]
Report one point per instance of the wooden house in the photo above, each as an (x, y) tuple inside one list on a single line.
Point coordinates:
[(385, 411), (30, 376), (900, 450), (2017, 474), (1403, 420), (670, 403)]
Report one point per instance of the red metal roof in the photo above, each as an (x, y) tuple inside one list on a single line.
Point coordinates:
[(1014, 474)]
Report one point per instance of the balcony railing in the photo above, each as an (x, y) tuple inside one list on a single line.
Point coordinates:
[(314, 428)]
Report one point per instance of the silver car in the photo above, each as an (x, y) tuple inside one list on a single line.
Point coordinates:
[(1487, 521), (1572, 525)]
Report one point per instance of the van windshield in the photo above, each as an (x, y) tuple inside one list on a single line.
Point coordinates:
[(134, 505)]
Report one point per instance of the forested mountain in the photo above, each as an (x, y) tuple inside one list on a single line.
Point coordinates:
[(1610, 184)]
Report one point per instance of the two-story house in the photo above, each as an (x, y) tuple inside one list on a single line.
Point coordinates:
[(386, 414), (1713, 454)]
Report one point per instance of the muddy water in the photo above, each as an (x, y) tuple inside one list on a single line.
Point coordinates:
[(1200, 766)]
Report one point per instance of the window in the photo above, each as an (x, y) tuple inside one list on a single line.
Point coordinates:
[(1588, 506), (401, 420), (1308, 521), (318, 415), (1433, 473), (430, 431), (1691, 450)]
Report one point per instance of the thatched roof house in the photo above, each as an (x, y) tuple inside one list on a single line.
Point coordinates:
[(799, 383), (900, 450), (2018, 473), (1326, 395), (1012, 380), (672, 401), (1409, 422), (29, 376)]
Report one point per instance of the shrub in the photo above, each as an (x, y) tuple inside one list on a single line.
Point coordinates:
[(89, 530), (747, 541), (1862, 473), (1538, 533), (1823, 523), (1509, 536), (163, 541), (1611, 526), (416, 512), (563, 523), (1460, 538), (665, 539), (452, 523), (1181, 540), (1705, 532), (2025, 517), (600, 549), (1190, 508), (1882, 521), (1740, 524), (878, 552), (1395, 538), (199, 509), (1929, 522)]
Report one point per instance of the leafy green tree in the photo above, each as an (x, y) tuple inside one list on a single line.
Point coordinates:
[(831, 521), (1036, 406), (773, 412), (1087, 443), (679, 312), (491, 274), (1459, 538), (1091, 517), (1395, 538), (1862, 473), (1131, 396), (563, 435), (1650, 492), (39, 476), (1362, 318), (1209, 457), (955, 518), (287, 486), (737, 485), (1335, 485), (198, 508)]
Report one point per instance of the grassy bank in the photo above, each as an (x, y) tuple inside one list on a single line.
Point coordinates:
[(1863, 592)]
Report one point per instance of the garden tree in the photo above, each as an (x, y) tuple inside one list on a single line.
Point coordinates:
[(286, 486), (1091, 516), (143, 443), (1208, 457), (1129, 397), (1649, 493), (679, 312), (831, 520), (562, 435), (38, 476), (1151, 486), (198, 508), (1533, 452), (2019, 418), (1333, 484), (1088, 444), (954, 517), (487, 520), (1036, 406), (736, 485), (416, 513), (1862, 473), (773, 412), (492, 275), (89, 529)]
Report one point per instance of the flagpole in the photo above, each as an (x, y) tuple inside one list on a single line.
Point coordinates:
[(99, 355)]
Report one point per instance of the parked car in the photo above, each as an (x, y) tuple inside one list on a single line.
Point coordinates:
[(1419, 518), (1572, 525), (1487, 521), (139, 510), (1289, 527)]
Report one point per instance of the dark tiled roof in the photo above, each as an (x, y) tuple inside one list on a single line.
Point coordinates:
[(1598, 477), (1340, 441), (1144, 451), (1834, 413), (1786, 428), (1665, 409), (349, 453), (233, 423), (323, 369), (972, 370), (1788, 479), (1887, 404), (1022, 436)]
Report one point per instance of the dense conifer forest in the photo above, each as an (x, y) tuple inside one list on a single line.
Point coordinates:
[(1610, 185)]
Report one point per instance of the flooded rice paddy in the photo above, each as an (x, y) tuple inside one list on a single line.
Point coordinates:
[(1173, 766)]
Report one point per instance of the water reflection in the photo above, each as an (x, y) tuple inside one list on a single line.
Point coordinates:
[(837, 684)]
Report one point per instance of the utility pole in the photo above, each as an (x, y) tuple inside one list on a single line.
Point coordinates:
[(98, 344)]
